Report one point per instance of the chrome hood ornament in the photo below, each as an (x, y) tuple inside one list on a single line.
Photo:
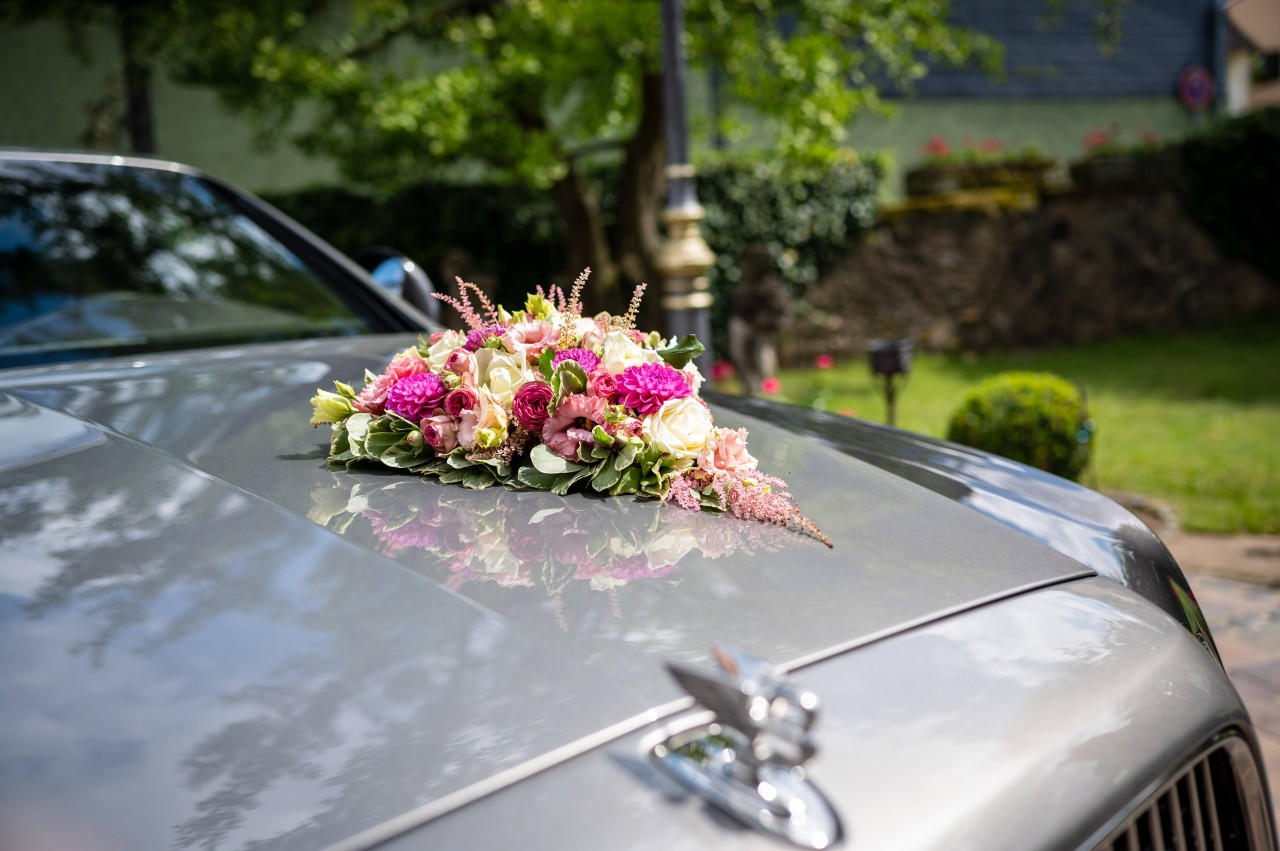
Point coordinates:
[(750, 760)]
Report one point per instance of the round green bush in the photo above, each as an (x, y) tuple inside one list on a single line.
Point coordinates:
[(1033, 417)]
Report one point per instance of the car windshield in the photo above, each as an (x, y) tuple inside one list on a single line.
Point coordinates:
[(99, 260)]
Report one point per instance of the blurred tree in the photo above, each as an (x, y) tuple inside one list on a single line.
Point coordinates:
[(394, 90), (143, 29)]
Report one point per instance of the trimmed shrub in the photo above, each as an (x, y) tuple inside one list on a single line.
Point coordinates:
[(1231, 183), (1036, 418)]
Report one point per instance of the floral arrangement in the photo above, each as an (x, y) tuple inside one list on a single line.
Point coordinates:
[(549, 399), (530, 540)]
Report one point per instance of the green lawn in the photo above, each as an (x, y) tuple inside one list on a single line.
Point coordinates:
[(1191, 419)]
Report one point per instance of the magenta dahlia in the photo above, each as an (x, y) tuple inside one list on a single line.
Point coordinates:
[(645, 387), (417, 396), (586, 359)]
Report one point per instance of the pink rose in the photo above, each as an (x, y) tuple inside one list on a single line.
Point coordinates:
[(373, 398), (726, 452), (436, 337), (461, 399), (570, 426), (462, 363), (441, 431), (601, 383), (529, 405), (407, 364)]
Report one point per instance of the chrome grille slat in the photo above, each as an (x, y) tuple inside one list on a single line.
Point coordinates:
[(1209, 804)]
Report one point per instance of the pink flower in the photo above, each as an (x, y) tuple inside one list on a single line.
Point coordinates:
[(990, 145), (441, 431), (531, 338), (645, 387), (629, 427), (462, 363), (416, 396), (1096, 138), (721, 370), (373, 398), (726, 452), (570, 426), (771, 386), (824, 361), (936, 147), (477, 338), (529, 405), (585, 358), (436, 337), (459, 400), (601, 383)]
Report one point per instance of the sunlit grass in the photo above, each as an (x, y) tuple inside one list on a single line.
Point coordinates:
[(1191, 419)]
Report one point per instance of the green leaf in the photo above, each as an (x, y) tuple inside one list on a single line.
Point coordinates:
[(627, 456), (534, 479), (628, 482), (568, 378), (544, 362), (686, 349), (606, 478), (550, 463), (477, 478)]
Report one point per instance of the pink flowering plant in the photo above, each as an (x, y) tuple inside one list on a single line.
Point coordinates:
[(549, 399)]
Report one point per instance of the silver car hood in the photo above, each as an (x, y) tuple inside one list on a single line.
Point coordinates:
[(211, 639)]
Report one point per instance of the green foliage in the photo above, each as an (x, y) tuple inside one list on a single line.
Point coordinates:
[(1036, 418), (804, 215), (394, 90), (1232, 181)]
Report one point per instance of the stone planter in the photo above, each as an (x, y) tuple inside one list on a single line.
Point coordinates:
[(940, 178), (1124, 172)]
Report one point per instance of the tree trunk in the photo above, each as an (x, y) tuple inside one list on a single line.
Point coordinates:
[(639, 198), (137, 84), (584, 233)]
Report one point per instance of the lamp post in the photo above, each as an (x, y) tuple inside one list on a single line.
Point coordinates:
[(684, 257), (890, 360)]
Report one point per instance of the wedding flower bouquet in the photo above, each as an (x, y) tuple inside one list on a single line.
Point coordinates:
[(547, 398)]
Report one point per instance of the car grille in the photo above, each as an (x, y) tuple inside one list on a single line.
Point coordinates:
[(1215, 803)]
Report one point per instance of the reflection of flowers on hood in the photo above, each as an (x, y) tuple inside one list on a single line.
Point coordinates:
[(523, 540), (545, 398)]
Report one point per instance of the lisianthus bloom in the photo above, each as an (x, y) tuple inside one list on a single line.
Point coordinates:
[(417, 396), (680, 428), (477, 338), (726, 452), (440, 345), (585, 358), (461, 399), (570, 426), (372, 399), (601, 383), (441, 432), (531, 338), (646, 387), (487, 415), (529, 405)]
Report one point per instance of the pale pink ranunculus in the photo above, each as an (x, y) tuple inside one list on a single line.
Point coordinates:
[(601, 383), (441, 432), (373, 398), (570, 426), (462, 363), (531, 338), (726, 452)]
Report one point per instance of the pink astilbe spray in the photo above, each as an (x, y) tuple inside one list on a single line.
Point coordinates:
[(747, 495), (463, 305)]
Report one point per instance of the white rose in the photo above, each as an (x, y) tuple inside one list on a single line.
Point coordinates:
[(620, 352), (680, 428), (438, 352), (695, 377), (502, 373)]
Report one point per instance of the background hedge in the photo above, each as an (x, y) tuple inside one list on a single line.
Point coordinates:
[(1231, 183), (803, 215)]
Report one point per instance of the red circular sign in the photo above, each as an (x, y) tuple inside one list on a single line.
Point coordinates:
[(1195, 88)]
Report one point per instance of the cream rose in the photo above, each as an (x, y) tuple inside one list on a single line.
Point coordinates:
[(439, 351), (620, 352), (502, 373), (680, 428)]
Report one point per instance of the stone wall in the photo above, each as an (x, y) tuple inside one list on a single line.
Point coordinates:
[(1081, 266)]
